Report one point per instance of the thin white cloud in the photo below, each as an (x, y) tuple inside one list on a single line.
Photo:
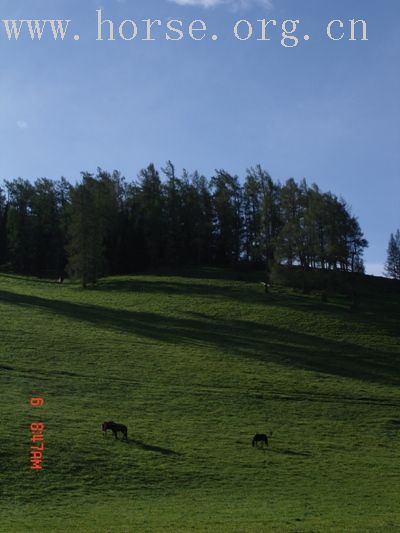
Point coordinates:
[(22, 124), (236, 4)]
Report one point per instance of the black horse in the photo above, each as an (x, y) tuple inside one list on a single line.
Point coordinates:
[(115, 428), (260, 439)]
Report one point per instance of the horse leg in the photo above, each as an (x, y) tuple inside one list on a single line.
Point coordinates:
[(115, 434)]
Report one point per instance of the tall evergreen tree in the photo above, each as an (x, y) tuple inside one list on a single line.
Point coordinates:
[(3, 228), (151, 218), (253, 218), (173, 216), (227, 199), (110, 200), (195, 216), (292, 214), (392, 266), (86, 239), (49, 256), (21, 226)]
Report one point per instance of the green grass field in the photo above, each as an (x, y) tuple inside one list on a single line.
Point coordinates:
[(194, 365)]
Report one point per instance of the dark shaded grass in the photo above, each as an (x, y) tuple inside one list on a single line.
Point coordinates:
[(194, 372), (240, 337)]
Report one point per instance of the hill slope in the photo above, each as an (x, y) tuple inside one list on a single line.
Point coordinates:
[(195, 365)]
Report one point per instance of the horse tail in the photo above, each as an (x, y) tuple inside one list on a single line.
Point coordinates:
[(253, 442)]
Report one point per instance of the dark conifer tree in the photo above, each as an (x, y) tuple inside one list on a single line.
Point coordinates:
[(227, 200), (49, 255), (392, 266), (292, 215), (199, 200), (253, 219), (86, 251), (21, 226), (173, 216), (151, 219), (3, 228)]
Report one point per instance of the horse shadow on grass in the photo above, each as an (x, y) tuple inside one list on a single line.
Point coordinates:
[(278, 451), (292, 452), (152, 448)]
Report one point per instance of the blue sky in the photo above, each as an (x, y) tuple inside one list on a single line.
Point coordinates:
[(328, 111)]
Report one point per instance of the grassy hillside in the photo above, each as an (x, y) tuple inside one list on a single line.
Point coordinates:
[(195, 365)]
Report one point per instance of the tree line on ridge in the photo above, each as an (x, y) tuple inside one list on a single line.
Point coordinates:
[(105, 224)]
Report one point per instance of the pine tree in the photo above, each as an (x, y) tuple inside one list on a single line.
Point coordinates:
[(227, 199), (173, 215), (49, 257), (392, 266), (3, 228), (151, 215), (20, 226), (86, 232)]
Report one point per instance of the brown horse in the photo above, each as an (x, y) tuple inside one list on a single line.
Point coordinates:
[(115, 428)]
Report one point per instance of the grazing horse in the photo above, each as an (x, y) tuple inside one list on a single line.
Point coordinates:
[(260, 438), (115, 428)]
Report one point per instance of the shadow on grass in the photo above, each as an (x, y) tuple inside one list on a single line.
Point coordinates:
[(152, 448), (234, 337), (378, 306), (30, 279), (208, 273), (271, 449), (291, 452), (183, 288)]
